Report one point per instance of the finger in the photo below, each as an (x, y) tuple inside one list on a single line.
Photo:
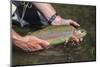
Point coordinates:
[(44, 44), (28, 46), (74, 23), (37, 47), (27, 49), (75, 39), (34, 46), (22, 46), (73, 43)]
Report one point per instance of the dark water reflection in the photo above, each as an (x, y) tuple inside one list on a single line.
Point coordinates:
[(85, 51)]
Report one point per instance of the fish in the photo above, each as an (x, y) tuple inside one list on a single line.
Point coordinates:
[(56, 35)]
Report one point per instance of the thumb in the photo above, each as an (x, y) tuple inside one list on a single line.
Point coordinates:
[(44, 44), (73, 23)]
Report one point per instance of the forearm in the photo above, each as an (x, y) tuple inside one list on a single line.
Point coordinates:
[(16, 36), (46, 9)]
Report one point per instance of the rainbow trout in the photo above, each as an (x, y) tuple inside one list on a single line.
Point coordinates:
[(57, 34)]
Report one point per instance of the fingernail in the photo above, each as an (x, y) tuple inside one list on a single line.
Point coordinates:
[(47, 43)]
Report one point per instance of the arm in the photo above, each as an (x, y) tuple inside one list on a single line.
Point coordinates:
[(16, 36), (48, 11), (28, 43)]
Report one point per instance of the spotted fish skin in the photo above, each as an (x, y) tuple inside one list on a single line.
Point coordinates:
[(57, 34)]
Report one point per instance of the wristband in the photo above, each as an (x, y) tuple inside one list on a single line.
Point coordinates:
[(53, 17)]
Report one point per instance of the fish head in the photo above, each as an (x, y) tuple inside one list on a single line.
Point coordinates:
[(82, 33)]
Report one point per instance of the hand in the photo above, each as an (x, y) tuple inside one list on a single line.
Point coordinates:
[(76, 38), (31, 44), (61, 21)]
